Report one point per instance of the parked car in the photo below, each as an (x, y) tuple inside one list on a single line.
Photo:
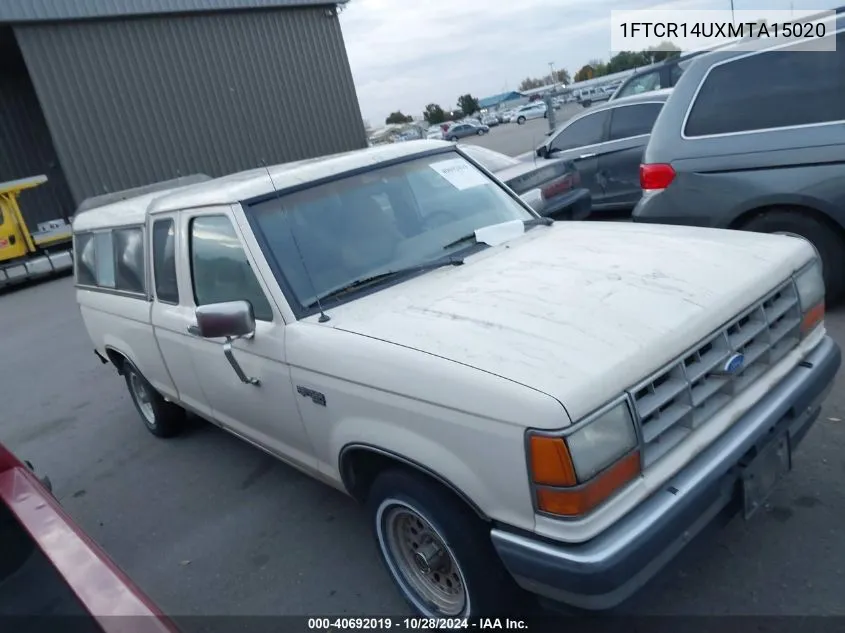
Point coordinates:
[(590, 96), (505, 116), (607, 143), (435, 132), (490, 120), (552, 188), (53, 577), (557, 405), (756, 141), (534, 110), (462, 130)]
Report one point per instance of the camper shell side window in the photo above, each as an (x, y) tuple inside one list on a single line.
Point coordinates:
[(111, 260)]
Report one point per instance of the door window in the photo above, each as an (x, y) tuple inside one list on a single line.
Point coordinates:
[(220, 268), (633, 120), (164, 261), (772, 89), (588, 130)]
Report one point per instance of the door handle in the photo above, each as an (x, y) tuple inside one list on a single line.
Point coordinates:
[(193, 330), (586, 156)]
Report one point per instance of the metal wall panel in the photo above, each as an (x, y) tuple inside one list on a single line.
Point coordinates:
[(52, 10), (26, 148), (131, 102)]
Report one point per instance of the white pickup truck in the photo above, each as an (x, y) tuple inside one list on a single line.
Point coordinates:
[(554, 406)]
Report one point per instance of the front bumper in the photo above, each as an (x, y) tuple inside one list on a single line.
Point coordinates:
[(606, 570)]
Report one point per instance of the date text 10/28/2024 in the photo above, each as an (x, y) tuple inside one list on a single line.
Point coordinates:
[(415, 624)]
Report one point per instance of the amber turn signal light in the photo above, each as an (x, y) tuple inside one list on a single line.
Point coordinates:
[(574, 502), (812, 318), (551, 464)]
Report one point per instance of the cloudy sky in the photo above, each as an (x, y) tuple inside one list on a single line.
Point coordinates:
[(408, 53)]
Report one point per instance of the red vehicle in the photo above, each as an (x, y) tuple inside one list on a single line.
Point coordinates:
[(50, 570)]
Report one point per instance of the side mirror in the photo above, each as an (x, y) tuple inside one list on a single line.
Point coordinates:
[(233, 319), (542, 151)]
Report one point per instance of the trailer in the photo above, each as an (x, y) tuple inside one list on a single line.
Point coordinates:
[(26, 254)]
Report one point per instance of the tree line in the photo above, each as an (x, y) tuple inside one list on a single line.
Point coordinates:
[(620, 62)]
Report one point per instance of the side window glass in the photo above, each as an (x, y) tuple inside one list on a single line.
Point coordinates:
[(104, 258), (86, 261), (220, 269), (586, 131), (129, 259), (633, 120), (644, 83), (164, 261), (774, 89)]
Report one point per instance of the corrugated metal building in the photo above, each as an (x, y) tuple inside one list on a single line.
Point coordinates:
[(104, 95)]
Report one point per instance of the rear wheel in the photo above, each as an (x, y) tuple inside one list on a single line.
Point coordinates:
[(437, 550), (162, 418), (454, 139), (829, 244)]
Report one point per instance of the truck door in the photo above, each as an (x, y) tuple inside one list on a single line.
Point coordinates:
[(172, 315), (219, 269)]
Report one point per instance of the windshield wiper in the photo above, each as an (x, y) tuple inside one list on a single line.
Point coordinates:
[(527, 223), (541, 221), (359, 284)]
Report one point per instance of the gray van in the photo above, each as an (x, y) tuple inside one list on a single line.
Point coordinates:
[(755, 140)]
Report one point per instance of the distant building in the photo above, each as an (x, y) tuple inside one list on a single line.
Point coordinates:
[(105, 95), (502, 101)]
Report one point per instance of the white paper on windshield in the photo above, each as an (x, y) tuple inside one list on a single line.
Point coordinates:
[(496, 234), (459, 173)]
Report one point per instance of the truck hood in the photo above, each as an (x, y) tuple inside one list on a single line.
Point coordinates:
[(579, 311)]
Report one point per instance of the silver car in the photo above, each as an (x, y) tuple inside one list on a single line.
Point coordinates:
[(462, 130)]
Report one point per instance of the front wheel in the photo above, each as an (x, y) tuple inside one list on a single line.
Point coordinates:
[(454, 139), (521, 120), (437, 551), (480, 132), (162, 418), (829, 245)]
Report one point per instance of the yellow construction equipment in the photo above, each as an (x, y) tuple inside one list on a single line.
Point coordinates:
[(25, 254)]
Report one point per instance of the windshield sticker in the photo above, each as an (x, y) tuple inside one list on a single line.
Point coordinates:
[(459, 173)]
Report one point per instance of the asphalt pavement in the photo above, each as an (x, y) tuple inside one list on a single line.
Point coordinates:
[(520, 140), (209, 525)]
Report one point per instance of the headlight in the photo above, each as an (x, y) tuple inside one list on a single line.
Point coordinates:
[(602, 441), (810, 285), (572, 474)]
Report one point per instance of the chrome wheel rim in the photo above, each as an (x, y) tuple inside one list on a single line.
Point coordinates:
[(421, 561), (142, 396)]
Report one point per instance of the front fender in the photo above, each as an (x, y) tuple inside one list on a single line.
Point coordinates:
[(488, 471)]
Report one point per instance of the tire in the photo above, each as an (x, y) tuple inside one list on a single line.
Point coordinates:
[(481, 584), (162, 418), (520, 120), (480, 132), (454, 139), (830, 245)]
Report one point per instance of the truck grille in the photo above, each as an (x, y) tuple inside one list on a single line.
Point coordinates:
[(687, 393)]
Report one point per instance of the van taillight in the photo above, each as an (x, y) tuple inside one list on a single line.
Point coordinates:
[(657, 176)]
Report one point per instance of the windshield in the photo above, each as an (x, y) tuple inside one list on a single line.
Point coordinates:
[(329, 236)]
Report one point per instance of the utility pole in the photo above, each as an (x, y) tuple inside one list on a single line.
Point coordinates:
[(732, 11), (552, 73)]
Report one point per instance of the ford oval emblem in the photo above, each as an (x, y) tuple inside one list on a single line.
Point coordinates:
[(733, 364)]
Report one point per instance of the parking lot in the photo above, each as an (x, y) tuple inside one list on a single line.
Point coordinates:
[(514, 140)]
